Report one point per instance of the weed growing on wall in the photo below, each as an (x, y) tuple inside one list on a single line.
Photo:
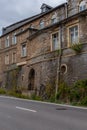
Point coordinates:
[(77, 47)]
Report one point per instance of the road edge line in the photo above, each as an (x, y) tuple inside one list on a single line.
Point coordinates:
[(48, 103)]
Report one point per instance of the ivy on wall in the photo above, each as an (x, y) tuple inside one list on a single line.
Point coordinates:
[(12, 78)]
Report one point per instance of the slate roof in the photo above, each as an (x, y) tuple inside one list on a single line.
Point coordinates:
[(46, 6), (19, 24)]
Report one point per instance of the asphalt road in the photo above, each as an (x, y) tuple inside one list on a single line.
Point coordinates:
[(18, 114)]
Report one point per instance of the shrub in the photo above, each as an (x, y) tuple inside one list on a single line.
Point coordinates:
[(18, 95), (84, 101), (2, 91), (77, 47), (63, 92), (35, 97), (50, 90), (58, 51), (81, 88), (52, 98), (76, 94)]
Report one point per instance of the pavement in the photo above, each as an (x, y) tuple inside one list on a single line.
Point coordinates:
[(19, 114)]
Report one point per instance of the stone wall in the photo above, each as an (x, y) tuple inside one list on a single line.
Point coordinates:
[(40, 56)]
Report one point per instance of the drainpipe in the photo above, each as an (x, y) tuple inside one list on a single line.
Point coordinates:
[(60, 55), (59, 64), (66, 9)]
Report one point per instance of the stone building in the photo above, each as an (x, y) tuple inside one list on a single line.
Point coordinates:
[(30, 49)]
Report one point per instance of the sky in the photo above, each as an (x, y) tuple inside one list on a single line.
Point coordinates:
[(12, 11)]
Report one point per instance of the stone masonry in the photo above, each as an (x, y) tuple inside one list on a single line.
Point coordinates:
[(31, 62)]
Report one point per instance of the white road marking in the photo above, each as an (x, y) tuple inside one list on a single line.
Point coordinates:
[(25, 109)]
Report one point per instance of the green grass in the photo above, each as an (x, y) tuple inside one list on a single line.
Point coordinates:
[(75, 95), (2, 91)]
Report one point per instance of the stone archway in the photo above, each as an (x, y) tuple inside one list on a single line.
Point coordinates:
[(31, 80)]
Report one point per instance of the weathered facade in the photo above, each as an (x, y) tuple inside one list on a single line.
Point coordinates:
[(30, 49)]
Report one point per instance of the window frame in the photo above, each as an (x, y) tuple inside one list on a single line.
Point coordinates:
[(54, 18), (13, 61), (82, 7), (7, 59), (69, 38), (14, 39), (7, 41), (32, 26), (0, 44), (42, 24), (43, 9), (52, 48), (23, 54)]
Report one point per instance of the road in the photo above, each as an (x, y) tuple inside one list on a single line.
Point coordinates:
[(18, 114)]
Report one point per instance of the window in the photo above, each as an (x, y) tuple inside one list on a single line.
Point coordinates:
[(43, 9), (7, 42), (63, 69), (55, 41), (82, 5), (7, 59), (22, 77), (73, 34), (0, 45), (41, 24), (14, 57), (23, 51), (54, 18), (31, 26), (14, 39)]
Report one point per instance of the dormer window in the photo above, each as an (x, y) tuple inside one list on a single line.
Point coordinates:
[(82, 5), (45, 8), (54, 18), (41, 24)]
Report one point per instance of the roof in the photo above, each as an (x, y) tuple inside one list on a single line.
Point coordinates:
[(45, 5), (19, 24)]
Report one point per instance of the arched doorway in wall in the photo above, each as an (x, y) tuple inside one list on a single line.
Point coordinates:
[(31, 80)]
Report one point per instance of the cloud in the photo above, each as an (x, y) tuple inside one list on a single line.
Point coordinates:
[(15, 10)]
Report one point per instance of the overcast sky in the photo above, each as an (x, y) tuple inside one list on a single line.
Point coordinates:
[(12, 11)]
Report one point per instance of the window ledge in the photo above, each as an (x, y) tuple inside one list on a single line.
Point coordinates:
[(23, 56)]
